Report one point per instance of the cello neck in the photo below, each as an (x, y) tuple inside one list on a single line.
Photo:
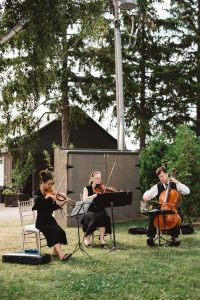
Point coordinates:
[(167, 192)]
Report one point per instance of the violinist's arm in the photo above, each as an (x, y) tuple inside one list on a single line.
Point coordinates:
[(66, 199), (53, 197), (85, 195), (64, 202)]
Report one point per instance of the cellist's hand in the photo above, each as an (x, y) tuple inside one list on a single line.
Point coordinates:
[(174, 180)]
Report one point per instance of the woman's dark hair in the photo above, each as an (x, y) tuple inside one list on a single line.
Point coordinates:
[(45, 176)]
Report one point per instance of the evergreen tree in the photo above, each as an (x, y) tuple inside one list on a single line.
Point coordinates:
[(180, 73), (181, 155), (150, 107), (151, 158), (184, 157), (65, 53), (52, 59)]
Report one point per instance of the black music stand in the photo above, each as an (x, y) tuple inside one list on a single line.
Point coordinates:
[(113, 200), (158, 212), (80, 208)]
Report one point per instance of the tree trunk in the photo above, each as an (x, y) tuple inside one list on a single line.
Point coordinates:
[(65, 110), (142, 130), (198, 75)]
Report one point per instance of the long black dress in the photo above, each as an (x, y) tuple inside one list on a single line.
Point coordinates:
[(45, 222), (95, 217)]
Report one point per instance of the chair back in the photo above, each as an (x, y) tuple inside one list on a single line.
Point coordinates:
[(27, 215)]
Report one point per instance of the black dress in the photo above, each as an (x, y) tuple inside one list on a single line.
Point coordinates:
[(45, 222), (95, 217)]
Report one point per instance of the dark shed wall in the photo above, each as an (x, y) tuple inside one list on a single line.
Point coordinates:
[(125, 176), (87, 135)]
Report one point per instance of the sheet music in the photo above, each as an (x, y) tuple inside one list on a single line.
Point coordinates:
[(80, 208)]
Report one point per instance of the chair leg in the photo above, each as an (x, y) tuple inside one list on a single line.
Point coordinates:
[(39, 242), (23, 240), (37, 238), (92, 239), (181, 234)]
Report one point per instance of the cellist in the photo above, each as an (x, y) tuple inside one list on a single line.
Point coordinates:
[(155, 191)]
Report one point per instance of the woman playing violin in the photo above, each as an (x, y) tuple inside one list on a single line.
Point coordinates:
[(45, 203), (95, 217), (156, 191)]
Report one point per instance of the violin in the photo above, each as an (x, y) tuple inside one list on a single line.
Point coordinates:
[(101, 189), (52, 192), (60, 197)]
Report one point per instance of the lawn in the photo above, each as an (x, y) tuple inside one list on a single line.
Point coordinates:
[(133, 271)]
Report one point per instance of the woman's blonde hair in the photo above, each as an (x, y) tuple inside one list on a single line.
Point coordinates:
[(92, 175)]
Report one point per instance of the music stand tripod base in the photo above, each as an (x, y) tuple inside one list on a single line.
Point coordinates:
[(157, 212), (160, 238), (80, 208), (112, 200)]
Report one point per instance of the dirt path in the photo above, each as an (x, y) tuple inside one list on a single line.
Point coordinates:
[(8, 213)]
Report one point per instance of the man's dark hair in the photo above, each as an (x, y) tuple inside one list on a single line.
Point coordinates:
[(161, 169)]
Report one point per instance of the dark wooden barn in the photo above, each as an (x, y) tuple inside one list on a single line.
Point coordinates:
[(89, 135)]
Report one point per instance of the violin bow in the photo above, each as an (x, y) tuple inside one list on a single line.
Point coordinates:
[(61, 182), (110, 175)]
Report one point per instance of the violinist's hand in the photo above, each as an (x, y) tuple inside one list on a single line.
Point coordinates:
[(172, 179), (69, 200), (63, 202), (94, 196)]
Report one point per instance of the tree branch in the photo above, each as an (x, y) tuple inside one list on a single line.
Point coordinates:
[(12, 32)]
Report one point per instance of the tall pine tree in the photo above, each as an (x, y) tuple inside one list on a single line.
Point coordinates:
[(180, 72), (52, 59)]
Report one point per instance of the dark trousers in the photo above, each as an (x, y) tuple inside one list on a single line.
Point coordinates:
[(174, 232)]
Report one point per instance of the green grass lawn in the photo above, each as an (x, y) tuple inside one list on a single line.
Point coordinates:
[(131, 272)]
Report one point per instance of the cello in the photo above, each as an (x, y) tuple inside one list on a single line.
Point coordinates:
[(169, 218)]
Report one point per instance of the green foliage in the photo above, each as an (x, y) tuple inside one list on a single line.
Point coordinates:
[(47, 159), (53, 57), (180, 69), (8, 191), (21, 171), (65, 55), (183, 155), (151, 158)]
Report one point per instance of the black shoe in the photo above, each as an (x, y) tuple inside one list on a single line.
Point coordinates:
[(150, 242), (103, 245), (174, 243)]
